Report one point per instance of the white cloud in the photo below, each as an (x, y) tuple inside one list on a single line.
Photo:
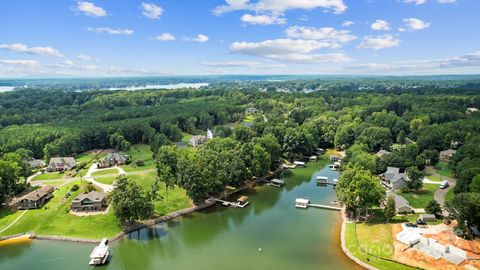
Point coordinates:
[(165, 37), (326, 34), (380, 25), (24, 63), (378, 42), (280, 6), (151, 10), (416, 2), (303, 18), (200, 38), (110, 31), (446, 1), (415, 24), (347, 23), (84, 57), (22, 48), (91, 9), (289, 50), (263, 19), (241, 64)]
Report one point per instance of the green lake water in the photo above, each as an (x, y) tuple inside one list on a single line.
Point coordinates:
[(219, 237)]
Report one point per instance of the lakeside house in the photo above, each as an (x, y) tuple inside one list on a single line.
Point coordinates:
[(427, 217), (471, 110), (447, 155), (197, 140), (37, 163), (113, 159), (61, 164), (392, 179), (92, 201), (335, 158), (36, 198), (382, 152)]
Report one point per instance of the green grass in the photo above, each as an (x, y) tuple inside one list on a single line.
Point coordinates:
[(139, 152), (420, 199), (51, 176), (375, 239), (442, 168), (186, 137), (249, 118), (105, 172), (106, 179), (434, 177), (450, 195), (177, 198), (86, 158), (54, 219)]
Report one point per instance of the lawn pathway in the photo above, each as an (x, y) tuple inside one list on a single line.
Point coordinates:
[(15, 221)]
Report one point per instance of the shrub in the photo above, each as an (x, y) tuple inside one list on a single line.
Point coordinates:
[(74, 188), (139, 163)]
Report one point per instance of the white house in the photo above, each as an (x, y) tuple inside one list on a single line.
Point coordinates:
[(392, 179)]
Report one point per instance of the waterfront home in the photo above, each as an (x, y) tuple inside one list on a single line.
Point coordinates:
[(447, 155), (313, 158), (302, 202), (36, 198), (299, 163), (92, 201), (392, 179), (382, 152), (197, 140), (335, 158), (36, 163), (320, 151), (61, 164), (113, 159)]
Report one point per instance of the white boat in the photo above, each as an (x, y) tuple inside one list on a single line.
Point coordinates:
[(335, 181), (302, 202), (299, 163), (100, 253), (322, 180)]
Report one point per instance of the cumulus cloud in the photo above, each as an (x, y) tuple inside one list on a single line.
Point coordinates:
[(22, 48), (379, 42), (110, 31), (414, 24), (151, 11), (347, 23), (165, 37), (326, 34), (90, 9), (200, 38), (380, 25), (23, 63), (289, 50), (416, 2), (263, 19), (279, 7)]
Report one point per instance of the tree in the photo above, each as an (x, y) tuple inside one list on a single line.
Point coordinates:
[(401, 138), (390, 208), (376, 138), (9, 175), (166, 158), (271, 145), (130, 201), (475, 184), (261, 161), (359, 189), (433, 207), (416, 178), (465, 207)]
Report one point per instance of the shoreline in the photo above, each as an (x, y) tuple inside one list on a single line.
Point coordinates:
[(344, 246)]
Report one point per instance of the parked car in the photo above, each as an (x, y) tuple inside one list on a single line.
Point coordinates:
[(444, 185), (447, 222), (411, 225), (421, 222)]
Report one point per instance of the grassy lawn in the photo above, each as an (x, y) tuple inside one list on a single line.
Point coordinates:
[(54, 219), (420, 199), (433, 177), (51, 176), (86, 158), (249, 118), (105, 172), (444, 169), (106, 179), (186, 137), (139, 152), (450, 195), (375, 239), (177, 198)]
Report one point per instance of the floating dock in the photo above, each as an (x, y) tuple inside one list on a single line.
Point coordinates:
[(233, 204), (100, 253), (305, 203)]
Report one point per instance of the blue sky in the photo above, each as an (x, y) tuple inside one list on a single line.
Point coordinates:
[(195, 37)]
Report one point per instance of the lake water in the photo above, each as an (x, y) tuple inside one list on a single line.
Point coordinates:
[(218, 237), (161, 86)]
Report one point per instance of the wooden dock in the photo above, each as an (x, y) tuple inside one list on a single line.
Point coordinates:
[(234, 204), (325, 207)]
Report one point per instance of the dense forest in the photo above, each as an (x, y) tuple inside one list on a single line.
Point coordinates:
[(412, 121)]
